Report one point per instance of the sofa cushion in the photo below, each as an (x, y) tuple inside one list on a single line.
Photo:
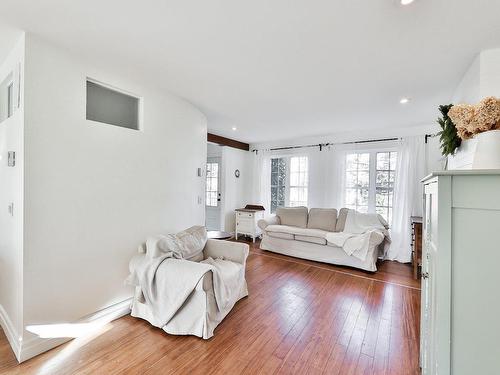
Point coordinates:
[(322, 218), (297, 231), (317, 236), (294, 216), (285, 236), (341, 219), (317, 240)]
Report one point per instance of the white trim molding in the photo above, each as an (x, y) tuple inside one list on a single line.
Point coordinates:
[(35, 345), (15, 340)]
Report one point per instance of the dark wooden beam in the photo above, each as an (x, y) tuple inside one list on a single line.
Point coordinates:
[(227, 142)]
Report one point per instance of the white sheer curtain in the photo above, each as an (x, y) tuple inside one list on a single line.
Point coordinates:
[(410, 169), (333, 167), (261, 187)]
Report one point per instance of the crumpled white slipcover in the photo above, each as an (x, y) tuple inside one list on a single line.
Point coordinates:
[(199, 314)]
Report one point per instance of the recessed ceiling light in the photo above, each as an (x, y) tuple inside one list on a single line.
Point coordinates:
[(234, 128), (406, 2), (404, 100)]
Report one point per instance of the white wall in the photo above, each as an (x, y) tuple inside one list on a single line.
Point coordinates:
[(214, 150), (94, 192), (468, 90), (11, 191), (434, 160), (236, 191), (490, 73), (482, 79)]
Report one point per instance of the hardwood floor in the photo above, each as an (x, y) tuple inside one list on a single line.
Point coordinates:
[(301, 317)]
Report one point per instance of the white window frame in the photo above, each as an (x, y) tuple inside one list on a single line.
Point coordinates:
[(287, 177), (7, 99), (390, 171), (217, 178), (372, 184), (140, 103), (10, 99)]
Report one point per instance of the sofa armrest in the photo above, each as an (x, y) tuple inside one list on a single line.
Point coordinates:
[(272, 220), (376, 238), (234, 251)]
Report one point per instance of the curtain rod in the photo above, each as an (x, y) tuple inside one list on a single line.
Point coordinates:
[(427, 136), (321, 145)]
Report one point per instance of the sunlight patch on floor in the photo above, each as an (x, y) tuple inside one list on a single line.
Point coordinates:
[(72, 330), (83, 333)]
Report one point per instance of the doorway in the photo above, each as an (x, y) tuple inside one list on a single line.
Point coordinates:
[(213, 188)]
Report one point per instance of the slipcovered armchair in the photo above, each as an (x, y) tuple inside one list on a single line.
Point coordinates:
[(200, 314)]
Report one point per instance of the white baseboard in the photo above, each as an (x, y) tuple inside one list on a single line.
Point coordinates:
[(37, 345), (10, 332)]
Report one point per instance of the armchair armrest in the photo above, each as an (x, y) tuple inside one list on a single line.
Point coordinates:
[(134, 265), (272, 220), (234, 251)]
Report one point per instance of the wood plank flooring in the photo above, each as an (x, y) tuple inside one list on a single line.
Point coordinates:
[(301, 317)]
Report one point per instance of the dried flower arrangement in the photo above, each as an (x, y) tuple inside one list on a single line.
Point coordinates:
[(474, 119)]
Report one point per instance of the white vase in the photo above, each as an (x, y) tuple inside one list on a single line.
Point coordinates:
[(487, 154)]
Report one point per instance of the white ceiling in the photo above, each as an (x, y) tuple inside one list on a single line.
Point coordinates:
[(280, 69)]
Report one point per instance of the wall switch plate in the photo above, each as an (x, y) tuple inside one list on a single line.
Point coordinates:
[(11, 159), (11, 209)]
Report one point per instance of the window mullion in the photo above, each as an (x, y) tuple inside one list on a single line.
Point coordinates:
[(287, 179), (373, 181)]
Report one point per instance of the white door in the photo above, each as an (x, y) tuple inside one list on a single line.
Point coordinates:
[(213, 194)]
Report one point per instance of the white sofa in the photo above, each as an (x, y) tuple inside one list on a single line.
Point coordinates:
[(300, 233), (199, 315)]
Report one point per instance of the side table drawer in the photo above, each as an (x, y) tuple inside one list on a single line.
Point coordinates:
[(247, 215)]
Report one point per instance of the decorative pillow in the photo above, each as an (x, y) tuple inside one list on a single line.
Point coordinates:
[(293, 216), (383, 221), (183, 245), (322, 218), (341, 219)]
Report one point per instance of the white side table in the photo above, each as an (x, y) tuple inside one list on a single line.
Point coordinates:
[(246, 222)]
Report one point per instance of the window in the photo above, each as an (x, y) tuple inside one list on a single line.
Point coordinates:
[(111, 106), (298, 181), (278, 183), (384, 187), (289, 181), (10, 99), (357, 181), (212, 189), (370, 182), (7, 100)]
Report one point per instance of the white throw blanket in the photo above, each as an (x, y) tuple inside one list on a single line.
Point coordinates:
[(227, 277), (355, 239), (166, 283)]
